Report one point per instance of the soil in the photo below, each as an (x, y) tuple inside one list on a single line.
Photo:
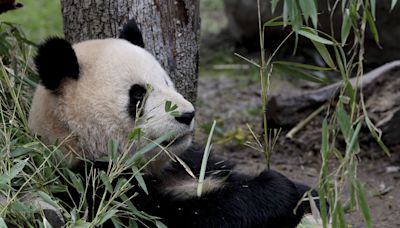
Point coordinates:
[(235, 102)]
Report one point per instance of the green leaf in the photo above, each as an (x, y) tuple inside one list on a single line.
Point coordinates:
[(346, 26), (273, 22), (20, 151), (312, 35), (274, 3), (297, 73), (325, 140), (393, 4), (138, 154), (106, 181), (46, 223), (353, 140), (167, 106), (140, 180), (372, 27), (14, 171), (130, 205), (113, 149), (48, 199), (323, 208), (160, 224), (135, 134), (309, 10), (344, 123), (2, 223), (373, 8), (323, 51), (285, 13), (116, 222), (363, 203), (338, 216), (301, 65), (109, 214), (377, 137), (76, 181), (206, 154)]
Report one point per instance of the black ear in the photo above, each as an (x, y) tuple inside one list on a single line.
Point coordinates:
[(131, 33), (56, 60)]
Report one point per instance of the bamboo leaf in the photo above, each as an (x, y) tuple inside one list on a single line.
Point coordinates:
[(326, 56), (372, 27), (2, 223), (273, 22), (109, 214), (325, 141), (274, 3), (135, 134), (354, 139), (285, 13), (106, 181), (312, 35), (309, 10), (167, 106), (48, 199), (393, 4), (323, 207), (116, 222), (14, 171), (155, 143), (140, 180), (205, 159), (76, 181), (346, 26), (377, 138), (297, 73), (159, 224), (344, 123), (363, 202), (373, 8), (301, 65), (113, 149)]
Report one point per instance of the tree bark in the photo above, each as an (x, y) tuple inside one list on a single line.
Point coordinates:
[(170, 30)]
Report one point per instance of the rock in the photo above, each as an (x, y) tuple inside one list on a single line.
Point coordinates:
[(243, 27)]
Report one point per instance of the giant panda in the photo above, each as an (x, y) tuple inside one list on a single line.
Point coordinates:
[(101, 90)]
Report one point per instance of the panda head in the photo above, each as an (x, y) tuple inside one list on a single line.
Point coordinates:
[(101, 90)]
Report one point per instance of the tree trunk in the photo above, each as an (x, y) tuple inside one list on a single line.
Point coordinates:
[(170, 30)]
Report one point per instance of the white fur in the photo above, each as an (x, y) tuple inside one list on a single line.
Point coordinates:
[(93, 109)]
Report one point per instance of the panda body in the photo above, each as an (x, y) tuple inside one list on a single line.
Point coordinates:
[(99, 90)]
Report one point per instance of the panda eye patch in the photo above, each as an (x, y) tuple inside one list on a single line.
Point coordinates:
[(136, 95), (137, 92)]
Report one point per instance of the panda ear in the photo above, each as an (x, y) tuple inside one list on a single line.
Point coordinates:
[(131, 33), (56, 60)]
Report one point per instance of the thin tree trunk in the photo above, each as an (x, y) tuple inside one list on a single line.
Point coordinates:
[(170, 31)]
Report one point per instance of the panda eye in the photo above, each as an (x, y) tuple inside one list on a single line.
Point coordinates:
[(137, 92), (136, 96)]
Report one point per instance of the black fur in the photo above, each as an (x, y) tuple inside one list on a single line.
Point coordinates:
[(136, 96), (266, 200), (56, 60), (131, 33)]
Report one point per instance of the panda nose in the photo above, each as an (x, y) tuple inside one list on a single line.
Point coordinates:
[(185, 118)]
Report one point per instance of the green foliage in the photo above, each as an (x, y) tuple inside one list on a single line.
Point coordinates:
[(40, 18)]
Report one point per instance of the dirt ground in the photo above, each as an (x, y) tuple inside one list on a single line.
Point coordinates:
[(235, 101)]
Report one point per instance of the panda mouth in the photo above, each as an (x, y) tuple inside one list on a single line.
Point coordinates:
[(176, 140)]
